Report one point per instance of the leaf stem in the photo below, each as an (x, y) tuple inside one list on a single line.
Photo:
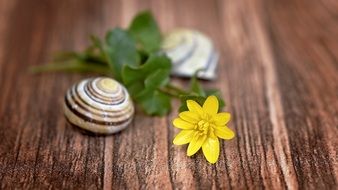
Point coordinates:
[(176, 89), (72, 66), (173, 91), (169, 93)]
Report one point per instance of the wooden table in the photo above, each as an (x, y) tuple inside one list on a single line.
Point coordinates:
[(278, 74)]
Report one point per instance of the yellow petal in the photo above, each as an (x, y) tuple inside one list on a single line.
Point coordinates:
[(195, 144), (224, 132), (211, 105), (222, 118), (211, 149), (183, 137), (189, 116), (181, 124), (194, 107)]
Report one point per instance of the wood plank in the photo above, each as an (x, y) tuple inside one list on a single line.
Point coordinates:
[(277, 73), (308, 85)]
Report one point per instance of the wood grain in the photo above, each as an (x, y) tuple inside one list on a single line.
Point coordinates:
[(278, 73)]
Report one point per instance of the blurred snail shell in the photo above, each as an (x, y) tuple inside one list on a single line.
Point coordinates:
[(190, 51), (100, 105)]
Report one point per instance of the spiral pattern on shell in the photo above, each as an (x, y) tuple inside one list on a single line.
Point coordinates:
[(100, 105), (190, 51)]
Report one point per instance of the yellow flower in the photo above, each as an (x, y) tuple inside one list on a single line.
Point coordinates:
[(201, 127)]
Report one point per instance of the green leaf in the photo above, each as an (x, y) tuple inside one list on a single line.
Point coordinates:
[(132, 74), (156, 104), (144, 83), (159, 78), (153, 82), (152, 100), (146, 32), (135, 89), (120, 50)]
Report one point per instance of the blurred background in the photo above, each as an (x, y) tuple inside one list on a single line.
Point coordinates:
[(278, 73)]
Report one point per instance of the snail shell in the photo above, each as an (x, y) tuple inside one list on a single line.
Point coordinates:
[(190, 51), (100, 105)]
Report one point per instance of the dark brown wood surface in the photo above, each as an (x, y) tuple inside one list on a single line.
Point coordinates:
[(278, 74)]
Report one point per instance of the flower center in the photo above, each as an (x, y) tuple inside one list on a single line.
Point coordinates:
[(203, 126)]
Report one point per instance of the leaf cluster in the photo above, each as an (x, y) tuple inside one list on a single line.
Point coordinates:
[(133, 57)]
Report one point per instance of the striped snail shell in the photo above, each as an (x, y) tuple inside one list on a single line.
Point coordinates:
[(100, 105), (190, 51)]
